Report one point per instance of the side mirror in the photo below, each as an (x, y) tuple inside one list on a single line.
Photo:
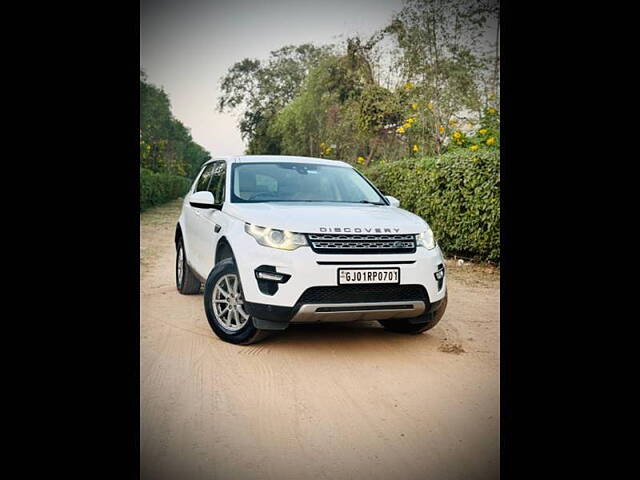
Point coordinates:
[(393, 201), (202, 200)]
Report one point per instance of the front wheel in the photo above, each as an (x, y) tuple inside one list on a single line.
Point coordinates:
[(225, 307)]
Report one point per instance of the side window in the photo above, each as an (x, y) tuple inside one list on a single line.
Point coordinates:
[(203, 181), (218, 181)]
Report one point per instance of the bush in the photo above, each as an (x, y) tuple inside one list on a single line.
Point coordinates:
[(458, 194), (158, 188)]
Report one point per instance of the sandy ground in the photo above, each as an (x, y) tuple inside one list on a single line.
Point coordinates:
[(335, 401)]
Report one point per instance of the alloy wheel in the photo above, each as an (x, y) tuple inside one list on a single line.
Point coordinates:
[(228, 303)]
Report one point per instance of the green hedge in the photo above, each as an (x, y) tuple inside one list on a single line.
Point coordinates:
[(158, 188), (458, 194)]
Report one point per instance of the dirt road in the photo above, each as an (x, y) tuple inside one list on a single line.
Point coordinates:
[(331, 401)]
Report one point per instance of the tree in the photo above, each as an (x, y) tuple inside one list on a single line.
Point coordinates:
[(261, 90), (443, 60), (340, 110), (330, 101), (166, 145), (379, 114)]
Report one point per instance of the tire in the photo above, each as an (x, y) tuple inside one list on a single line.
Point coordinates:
[(416, 325), (187, 283), (236, 326)]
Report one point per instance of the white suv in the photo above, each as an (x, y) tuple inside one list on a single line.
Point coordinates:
[(279, 240)]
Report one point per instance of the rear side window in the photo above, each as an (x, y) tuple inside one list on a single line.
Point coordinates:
[(203, 181)]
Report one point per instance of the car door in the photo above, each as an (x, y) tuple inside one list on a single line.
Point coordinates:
[(192, 217), (208, 222)]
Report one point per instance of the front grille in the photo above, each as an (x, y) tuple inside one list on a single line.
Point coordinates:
[(361, 244), (364, 293)]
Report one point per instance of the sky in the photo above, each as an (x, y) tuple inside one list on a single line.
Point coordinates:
[(186, 46)]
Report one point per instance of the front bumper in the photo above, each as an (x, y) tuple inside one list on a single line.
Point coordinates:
[(270, 317), (308, 269)]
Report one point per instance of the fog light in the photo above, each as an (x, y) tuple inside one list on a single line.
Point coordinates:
[(268, 273), (439, 275), (276, 277)]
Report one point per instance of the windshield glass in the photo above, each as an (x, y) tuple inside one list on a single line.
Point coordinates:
[(300, 182)]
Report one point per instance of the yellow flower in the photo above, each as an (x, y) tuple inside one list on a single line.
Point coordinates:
[(492, 111), (400, 130), (473, 148), (408, 86), (457, 135), (406, 126), (414, 106), (483, 131), (416, 148), (327, 150), (410, 120), (441, 129), (491, 141), (361, 159)]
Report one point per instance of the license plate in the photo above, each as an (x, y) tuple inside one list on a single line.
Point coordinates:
[(368, 275)]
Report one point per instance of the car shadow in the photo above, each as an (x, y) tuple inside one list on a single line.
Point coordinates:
[(347, 335)]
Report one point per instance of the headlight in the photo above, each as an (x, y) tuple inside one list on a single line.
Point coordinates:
[(271, 237), (425, 239)]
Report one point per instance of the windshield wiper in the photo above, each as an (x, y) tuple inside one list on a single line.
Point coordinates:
[(371, 203)]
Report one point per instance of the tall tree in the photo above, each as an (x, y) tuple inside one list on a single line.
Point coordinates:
[(166, 144), (443, 45), (261, 90)]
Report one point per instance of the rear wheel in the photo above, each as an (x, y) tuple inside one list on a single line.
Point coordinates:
[(186, 282), (225, 307), (416, 325)]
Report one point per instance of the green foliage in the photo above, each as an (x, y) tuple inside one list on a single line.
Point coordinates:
[(447, 64), (165, 143), (487, 136), (158, 188), (457, 193), (360, 103), (378, 107), (168, 155), (339, 112), (312, 121), (263, 89)]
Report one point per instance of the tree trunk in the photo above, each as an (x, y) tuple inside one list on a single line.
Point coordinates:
[(437, 106), (374, 147), (497, 61)]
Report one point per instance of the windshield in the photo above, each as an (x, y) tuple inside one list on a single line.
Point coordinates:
[(300, 182)]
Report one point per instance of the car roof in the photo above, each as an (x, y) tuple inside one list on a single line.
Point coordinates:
[(279, 158)]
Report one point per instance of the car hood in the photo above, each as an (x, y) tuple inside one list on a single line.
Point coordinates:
[(327, 217)]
